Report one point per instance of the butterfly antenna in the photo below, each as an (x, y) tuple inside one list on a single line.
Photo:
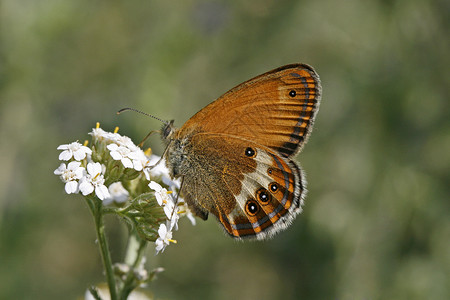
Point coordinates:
[(141, 144), (141, 112)]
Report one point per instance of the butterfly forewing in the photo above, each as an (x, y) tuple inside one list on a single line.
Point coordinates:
[(276, 109)]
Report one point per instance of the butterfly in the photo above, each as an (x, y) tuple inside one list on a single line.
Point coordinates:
[(234, 156)]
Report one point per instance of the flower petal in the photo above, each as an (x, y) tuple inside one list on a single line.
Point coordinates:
[(162, 231), (79, 172), (127, 162), (63, 147), (71, 187), (79, 154), (102, 192), (73, 165), (86, 187), (116, 155), (159, 245), (65, 155), (112, 147), (155, 186), (137, 165), (94, 168), (60, 170)]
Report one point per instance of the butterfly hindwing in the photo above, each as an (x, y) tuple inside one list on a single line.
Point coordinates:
[(252, 191), (270, 197)]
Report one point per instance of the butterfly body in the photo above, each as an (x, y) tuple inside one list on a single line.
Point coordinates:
[(234, 155)]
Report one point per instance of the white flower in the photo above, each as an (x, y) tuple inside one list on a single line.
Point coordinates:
[(165, 237), (117, 193), (139, 159), (161, 194), (173, 183), (74, 149), (157, 168), (132, 157), (94, 181), (125, 141), (164, 199), (122, 148), (70, 175), (120, 153), (169, 210), (99, 134), (148, 167), (183, 209)]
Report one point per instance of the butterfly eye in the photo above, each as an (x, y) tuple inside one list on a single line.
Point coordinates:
[(263, 196), (250, 152), (251, 207), (292, 93), (273, 187)]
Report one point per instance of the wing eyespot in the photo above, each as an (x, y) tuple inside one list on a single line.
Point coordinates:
[(250, 152), (292, 93), (273, 187), (251, 207), (263, 196)]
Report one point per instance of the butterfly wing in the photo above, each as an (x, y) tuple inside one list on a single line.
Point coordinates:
[(276, 109), (234, 154), (252, 191)]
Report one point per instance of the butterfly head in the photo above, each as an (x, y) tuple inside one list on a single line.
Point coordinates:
[(167, 130)]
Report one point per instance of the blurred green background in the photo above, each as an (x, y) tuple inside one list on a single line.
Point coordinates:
[(376, 223)]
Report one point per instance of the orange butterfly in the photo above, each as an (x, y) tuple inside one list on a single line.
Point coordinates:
[(235, 155)]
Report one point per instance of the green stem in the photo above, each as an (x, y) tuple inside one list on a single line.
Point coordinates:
[(97, 211)]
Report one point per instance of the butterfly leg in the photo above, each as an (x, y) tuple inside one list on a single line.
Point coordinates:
[(146, 137)]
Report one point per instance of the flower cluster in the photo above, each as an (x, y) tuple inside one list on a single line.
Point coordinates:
[(78, 178), (118, 173)]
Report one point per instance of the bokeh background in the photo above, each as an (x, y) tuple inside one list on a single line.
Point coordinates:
[(376, 223)]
